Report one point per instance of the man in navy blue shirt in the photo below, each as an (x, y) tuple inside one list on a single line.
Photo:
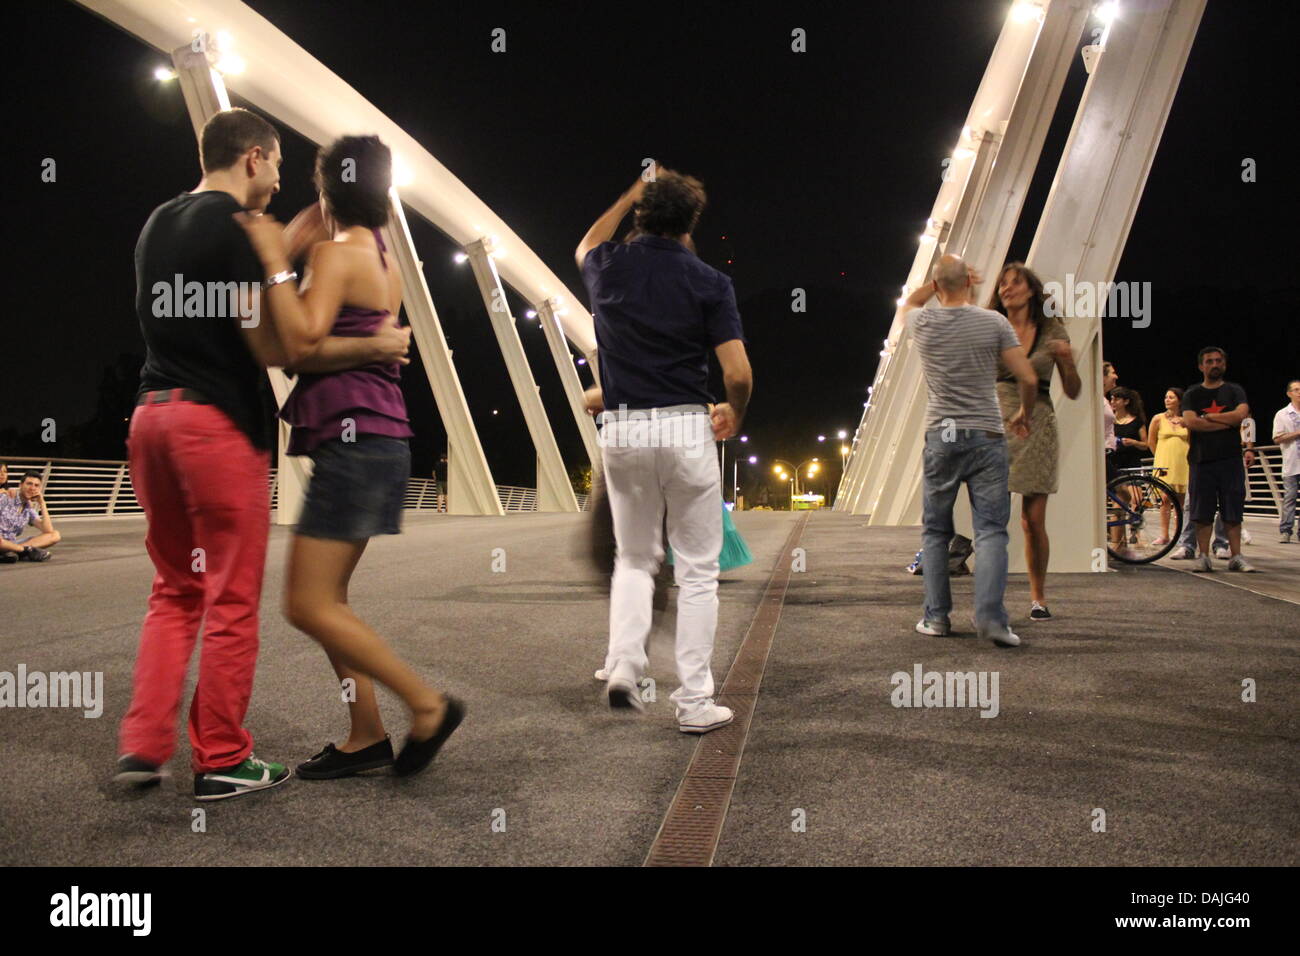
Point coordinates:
[(659, 311)]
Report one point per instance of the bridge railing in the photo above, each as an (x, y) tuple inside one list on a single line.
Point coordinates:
[(1263, 483), (84, 488)]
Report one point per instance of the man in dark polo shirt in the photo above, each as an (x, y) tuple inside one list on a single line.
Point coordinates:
[(199, 448), (659, 311), (1213, 410)]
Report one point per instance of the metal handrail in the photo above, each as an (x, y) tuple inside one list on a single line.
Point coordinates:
[(83, 487), (1263, 482)]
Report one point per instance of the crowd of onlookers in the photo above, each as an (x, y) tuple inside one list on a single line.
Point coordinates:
[(1203, 446), (20, 508)]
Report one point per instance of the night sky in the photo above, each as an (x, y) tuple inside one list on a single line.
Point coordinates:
[(821, 169)]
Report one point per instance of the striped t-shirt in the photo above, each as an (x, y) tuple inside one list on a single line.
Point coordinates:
[(959, 347)]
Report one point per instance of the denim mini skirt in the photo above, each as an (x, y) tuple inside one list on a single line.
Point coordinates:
[(357, 488)]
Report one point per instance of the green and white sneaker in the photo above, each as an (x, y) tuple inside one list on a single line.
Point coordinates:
[(252, 774)]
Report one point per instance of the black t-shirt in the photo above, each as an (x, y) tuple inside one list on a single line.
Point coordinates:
[(1127, 456), (1215, 445), (192, 332)]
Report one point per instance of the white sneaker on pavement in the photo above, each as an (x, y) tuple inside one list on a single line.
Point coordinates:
[(933, 628), (709, 717), (1240, 564), (1202, 564), (621, 690)]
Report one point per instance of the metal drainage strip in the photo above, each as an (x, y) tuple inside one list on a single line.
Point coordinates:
[(691, 829)]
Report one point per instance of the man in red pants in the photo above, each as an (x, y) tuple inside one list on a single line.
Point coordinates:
[(199, 448)]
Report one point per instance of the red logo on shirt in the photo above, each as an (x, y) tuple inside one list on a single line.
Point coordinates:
[(1213, 407)]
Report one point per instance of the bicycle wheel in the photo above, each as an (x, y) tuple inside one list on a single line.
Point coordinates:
[(1133, 506)]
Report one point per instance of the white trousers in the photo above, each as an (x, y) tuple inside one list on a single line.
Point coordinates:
[(656, 464)]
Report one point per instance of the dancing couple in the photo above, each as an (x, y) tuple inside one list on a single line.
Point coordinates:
[(199, 447)]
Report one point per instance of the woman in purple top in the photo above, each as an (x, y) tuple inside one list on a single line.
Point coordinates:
[(353, 425)]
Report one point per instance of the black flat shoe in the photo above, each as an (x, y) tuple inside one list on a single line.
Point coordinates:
[(418, 754), (332, 762)]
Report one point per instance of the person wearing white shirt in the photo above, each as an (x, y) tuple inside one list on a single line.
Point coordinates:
[(1286, 432)]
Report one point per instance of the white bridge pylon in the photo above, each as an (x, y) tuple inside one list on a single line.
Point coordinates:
[(287, 84), (1135, 67)]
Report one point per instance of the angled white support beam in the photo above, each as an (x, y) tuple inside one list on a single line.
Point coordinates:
[(554, 490), (205, 94), (470, 488), (989, 238), (573, 390), (902, 465), (1085, 224), (878, 471)]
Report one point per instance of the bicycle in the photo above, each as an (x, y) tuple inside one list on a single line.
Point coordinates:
[(1134, 498)]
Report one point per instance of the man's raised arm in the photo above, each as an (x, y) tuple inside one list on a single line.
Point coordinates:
[(602, 230)]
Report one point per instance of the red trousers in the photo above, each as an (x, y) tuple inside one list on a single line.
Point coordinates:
[(204, 489)]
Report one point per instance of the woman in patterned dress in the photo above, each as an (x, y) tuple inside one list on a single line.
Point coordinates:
[(1018, 294)]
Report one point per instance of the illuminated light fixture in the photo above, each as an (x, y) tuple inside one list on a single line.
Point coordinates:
[(402, 175), (744, 438), (843, 434), (844, 449), (961, 152), (1107, 12), (870, 389), (884, 354), (926, 237), (459, 258), (1023, 12), (224, 40), (899, 301), (821, 437), (530, 314), (582, 361), (230, 64), (162, 74), (753, 459)]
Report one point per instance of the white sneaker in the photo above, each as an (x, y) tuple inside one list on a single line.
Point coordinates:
[(601, 674), (621, 690), (1240, 564), (1245, 535), (1285, 539), (1009, 639), (709, 717), (1202, 564), (1223, 554), (933, 628), (1181, 554)]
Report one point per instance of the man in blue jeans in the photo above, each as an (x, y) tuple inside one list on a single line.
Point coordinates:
[(960, 345)]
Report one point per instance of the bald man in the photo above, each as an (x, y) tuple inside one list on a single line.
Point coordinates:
[(960, 344)]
